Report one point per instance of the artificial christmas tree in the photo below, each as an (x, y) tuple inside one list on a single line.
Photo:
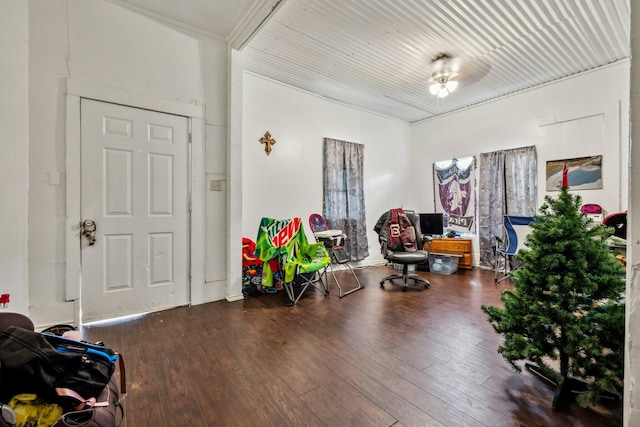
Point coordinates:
[(565, 312)]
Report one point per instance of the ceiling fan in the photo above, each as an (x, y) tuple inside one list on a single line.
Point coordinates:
[(448, 72), (445, 70)]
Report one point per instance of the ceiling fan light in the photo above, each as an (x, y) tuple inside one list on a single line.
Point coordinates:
[(441, 77)]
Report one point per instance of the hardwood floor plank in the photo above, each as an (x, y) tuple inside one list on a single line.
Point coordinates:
[(339, 404), (428, 401), (377, 357)]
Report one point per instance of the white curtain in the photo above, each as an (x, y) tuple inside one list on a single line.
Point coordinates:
[(343, 201)]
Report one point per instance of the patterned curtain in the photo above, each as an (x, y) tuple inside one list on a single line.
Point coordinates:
[(508, 186), (343, 201)]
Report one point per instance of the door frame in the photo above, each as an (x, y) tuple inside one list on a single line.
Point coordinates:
[(76, 90)]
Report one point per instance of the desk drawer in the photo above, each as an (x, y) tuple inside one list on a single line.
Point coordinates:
[(451, 245), (465, 261)]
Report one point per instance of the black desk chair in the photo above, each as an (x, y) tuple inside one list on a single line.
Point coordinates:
[(402, 242)]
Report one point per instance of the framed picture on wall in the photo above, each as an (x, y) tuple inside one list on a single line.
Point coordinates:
[(584, 173)]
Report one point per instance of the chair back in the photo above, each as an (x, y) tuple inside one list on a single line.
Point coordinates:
[(286, 241), (415, 221), (249, 257), (15, 319), (276, 236), (318, 223), (390, 230), (618, 221), (414, 218), (517, 229)]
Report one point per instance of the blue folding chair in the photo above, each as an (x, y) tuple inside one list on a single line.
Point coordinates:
[(516, 229)]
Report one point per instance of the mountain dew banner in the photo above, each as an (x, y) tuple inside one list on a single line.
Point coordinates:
[(274, 237), (454, 193)]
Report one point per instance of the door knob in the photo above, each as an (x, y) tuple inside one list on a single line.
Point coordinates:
[(89, 230)]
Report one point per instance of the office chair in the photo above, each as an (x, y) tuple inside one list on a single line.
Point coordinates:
[(301, 263), (402, 242), (516, 229), (334, 241), (618, 221)]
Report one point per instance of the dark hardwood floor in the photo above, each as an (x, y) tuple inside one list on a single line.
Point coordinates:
[(377, 357)]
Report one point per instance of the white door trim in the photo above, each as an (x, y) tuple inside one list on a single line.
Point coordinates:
[(79, 89)]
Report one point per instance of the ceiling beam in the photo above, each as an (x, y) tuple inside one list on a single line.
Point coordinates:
[(259, 14)]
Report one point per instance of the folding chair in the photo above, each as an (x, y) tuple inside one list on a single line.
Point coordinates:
[(618, 221), (334, 241), (301, 263), (516, 229)]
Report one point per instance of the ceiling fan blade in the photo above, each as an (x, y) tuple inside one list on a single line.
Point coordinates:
[(473, 71), (455, 63)]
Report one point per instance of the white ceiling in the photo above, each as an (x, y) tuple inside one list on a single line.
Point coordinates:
[(377, 54)]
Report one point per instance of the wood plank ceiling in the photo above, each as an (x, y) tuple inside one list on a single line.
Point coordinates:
[(378, 54)]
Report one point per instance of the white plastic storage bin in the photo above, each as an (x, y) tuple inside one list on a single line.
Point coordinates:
[(443, 264)]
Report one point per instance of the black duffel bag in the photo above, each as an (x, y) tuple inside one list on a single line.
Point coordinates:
[(68, 372), (107, 412)]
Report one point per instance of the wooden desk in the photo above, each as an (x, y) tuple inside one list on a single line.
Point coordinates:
[(454, 246)]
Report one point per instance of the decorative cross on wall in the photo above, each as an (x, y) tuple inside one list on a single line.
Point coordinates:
[(268, 142)]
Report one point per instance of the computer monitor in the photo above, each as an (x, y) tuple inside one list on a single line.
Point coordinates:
[(432, 223)]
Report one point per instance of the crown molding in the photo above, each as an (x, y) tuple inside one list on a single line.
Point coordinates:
[(259, 14)]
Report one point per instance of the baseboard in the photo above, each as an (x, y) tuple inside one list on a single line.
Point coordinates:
[(44, 316)]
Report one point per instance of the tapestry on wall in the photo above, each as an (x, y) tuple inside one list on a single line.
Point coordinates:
[(454, 193)]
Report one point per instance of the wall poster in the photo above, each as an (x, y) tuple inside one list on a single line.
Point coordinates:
[(454, 193), (584, 173)]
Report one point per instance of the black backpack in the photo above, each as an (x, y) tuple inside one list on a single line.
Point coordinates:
[(68, 372)]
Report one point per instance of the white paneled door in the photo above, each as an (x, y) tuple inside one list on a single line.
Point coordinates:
[(134, 190)]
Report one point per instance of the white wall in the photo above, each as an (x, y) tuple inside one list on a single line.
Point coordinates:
[(14, 146), (288, 182), (574, 117), (631, 399), (399, 157), (122, 55), (101, 44), (214, 72)]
